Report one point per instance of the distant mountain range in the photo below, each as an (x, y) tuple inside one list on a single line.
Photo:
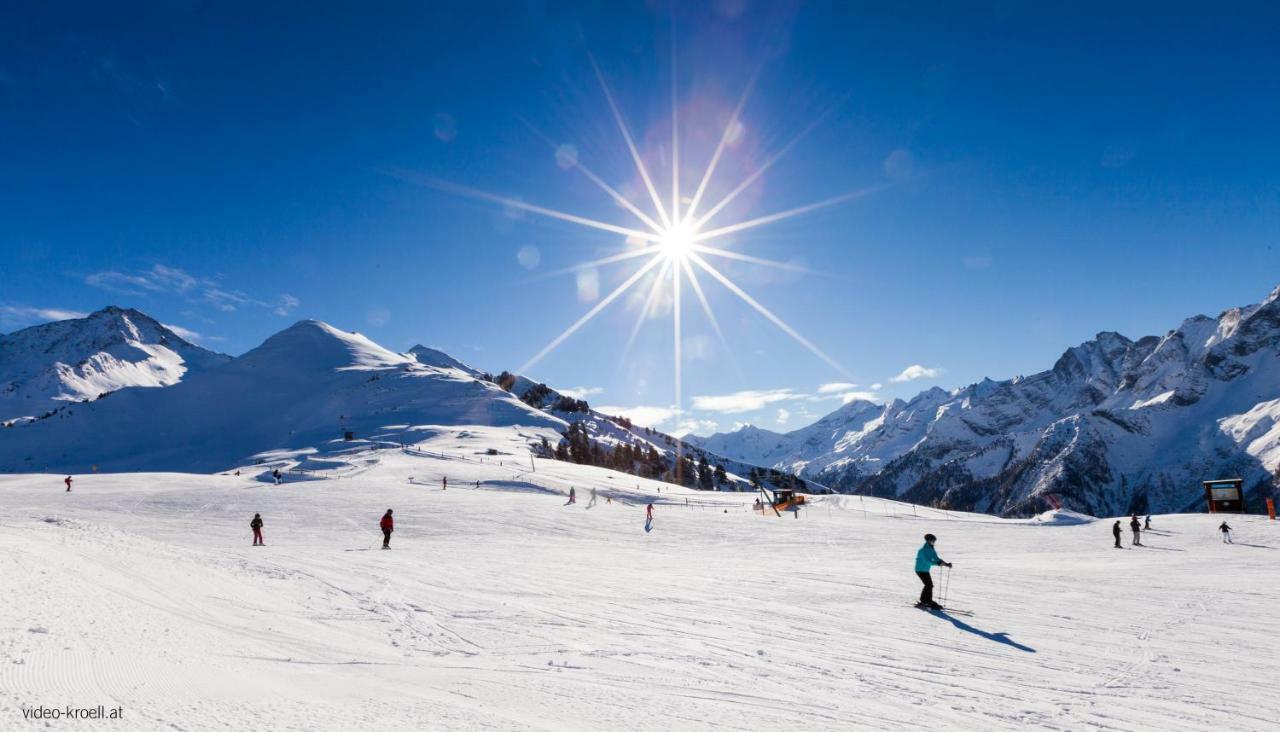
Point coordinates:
[(116, 391), (1115, 426)]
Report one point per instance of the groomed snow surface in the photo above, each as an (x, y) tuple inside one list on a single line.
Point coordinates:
[(504, 608)]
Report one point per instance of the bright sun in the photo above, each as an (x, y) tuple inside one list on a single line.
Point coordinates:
[(675, 239), (676, 243)]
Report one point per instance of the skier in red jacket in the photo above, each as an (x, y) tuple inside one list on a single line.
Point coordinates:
[(388, 525)]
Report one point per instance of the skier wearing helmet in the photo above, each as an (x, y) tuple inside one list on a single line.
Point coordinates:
[(926, 558)]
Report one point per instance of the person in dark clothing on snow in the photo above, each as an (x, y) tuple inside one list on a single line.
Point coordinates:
[(926, 558), (573, 495), (275, 475), (1137, 530), (67, 480), (1115, 531), (387, 525), (1226, 533), (256, 525), (1146, 525)]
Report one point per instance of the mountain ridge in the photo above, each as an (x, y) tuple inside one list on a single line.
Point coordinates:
[(48, 366), (1115, 425)]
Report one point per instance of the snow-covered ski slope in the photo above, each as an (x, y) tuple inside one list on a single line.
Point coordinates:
[(504, 608)]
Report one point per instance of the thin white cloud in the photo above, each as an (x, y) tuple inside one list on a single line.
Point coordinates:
[(916, 371), (11, 315), (743, 401), (643, 416), (866, 396), (185, 334), (877, 387), (161, 279), (695, 427), (122, 284), (836, 387), (286, 304), (581, 392), (174, 278), (783, 415)]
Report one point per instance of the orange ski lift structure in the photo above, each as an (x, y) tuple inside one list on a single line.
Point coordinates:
[(779, 500)]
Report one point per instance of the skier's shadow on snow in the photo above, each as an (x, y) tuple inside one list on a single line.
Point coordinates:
[(997, 637)]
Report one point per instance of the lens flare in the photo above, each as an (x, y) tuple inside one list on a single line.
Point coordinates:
[(676, 240)]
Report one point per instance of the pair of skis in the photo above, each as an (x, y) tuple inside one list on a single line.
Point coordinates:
[(944, 610)]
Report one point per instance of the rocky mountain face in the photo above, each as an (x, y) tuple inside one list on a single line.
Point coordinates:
[(46, 367), (1116, 426)]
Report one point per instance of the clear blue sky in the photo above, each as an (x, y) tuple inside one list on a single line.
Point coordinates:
[(1038, 176)]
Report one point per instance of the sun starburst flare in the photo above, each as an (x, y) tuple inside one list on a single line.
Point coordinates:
[(676, 243)]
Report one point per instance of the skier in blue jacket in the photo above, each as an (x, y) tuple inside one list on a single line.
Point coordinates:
[(926, 557)]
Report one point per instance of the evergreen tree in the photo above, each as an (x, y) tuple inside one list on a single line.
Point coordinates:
[(705, 476)]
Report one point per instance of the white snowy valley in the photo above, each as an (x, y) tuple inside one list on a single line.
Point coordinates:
[(501, 607), (501, 604)]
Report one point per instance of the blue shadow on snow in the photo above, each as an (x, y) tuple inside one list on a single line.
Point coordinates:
[(997, 637)]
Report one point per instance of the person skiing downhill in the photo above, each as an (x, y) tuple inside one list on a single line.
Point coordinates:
[(592, 501), (256, 525), (1146, 525), (1137, 530), (1226, 533), (67, 480), (648, 512), (926, 558), (275, 475), (1115, 531), (387, 524), (573, 495)]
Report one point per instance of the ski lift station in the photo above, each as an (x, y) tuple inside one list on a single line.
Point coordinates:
[(1225, 496)]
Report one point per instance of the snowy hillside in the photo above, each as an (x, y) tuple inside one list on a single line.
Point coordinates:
[(1115, 426), (49, 366), (290, 403), (500, 606), (291, 398)]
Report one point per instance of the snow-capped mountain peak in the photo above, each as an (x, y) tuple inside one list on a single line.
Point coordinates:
[(47, 366), (1115, 425), (439, 359), (313, 344)]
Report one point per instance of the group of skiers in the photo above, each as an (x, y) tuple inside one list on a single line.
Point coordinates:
[(1136, 526), (926, 556), (387, 524)]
